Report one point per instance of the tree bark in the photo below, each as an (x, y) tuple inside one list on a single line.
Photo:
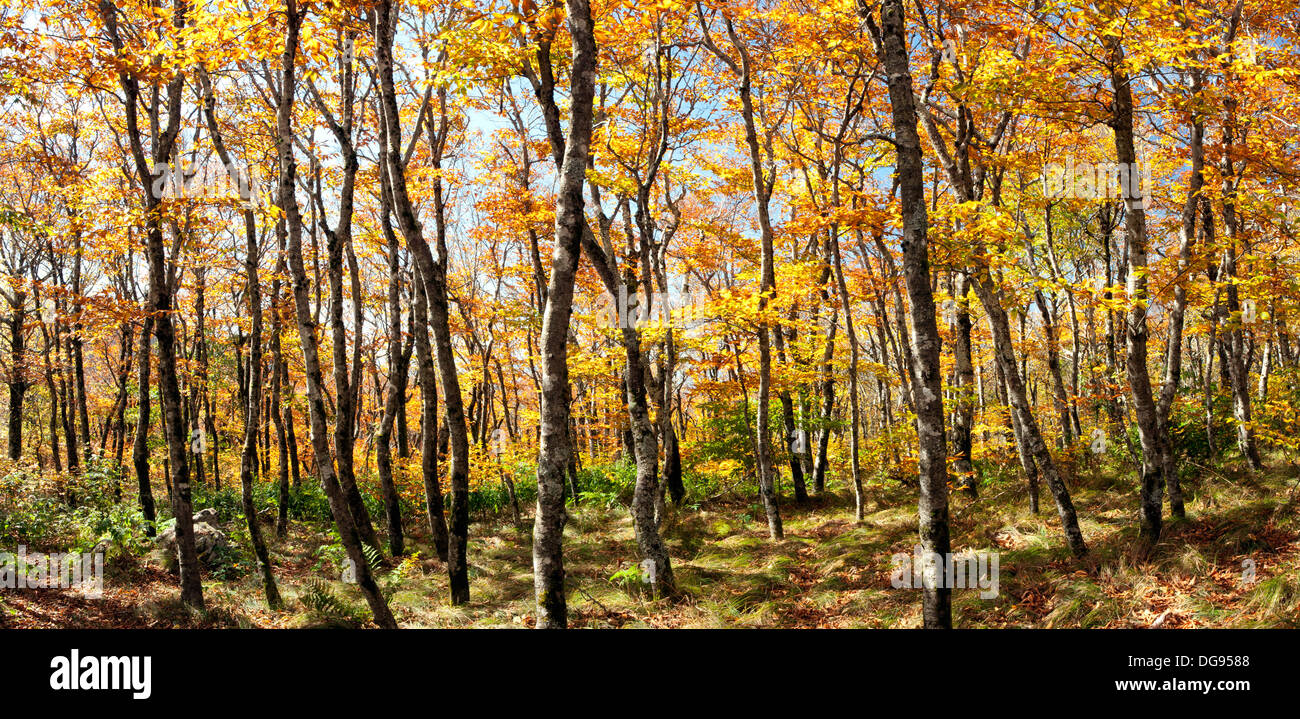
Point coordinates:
[(1144, 407), (397, 368), (762, 181), (1174, 346), (140, 442), (963, 416), (554, 446), (286, 462), (160, 297), (17, 381), (253, 410), (338, 501), (932, 506), (434, 276)]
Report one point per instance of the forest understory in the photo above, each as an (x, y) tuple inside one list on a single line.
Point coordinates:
[(828, 572)]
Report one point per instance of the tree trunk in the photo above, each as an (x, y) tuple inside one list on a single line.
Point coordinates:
[(286, 462), (17, 380), (434, 276), (963, 415), (140, 442), (645, 449), (1144, 406), (338, 501), (253, 410), (160, 299), (1029, 438), (429, 425), (394, 396), (859, 501), (1174, 346), (554, 445), (932, 506)]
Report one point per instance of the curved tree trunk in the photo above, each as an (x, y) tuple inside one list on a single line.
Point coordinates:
[(433, 274), (160, 298), (338, 501)]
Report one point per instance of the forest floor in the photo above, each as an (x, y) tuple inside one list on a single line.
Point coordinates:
[(828, 571)]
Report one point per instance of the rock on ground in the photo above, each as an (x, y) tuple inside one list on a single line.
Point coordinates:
[(207, 536)]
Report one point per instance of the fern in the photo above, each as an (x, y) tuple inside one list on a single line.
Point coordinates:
[(374, 559), (320, 598)]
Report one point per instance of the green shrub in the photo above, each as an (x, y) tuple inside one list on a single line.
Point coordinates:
[(493, 497), (74, 513)]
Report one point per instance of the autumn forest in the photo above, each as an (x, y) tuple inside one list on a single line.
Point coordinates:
[(605, 313)]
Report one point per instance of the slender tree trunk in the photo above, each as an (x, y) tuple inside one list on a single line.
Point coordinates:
[(160, 300), (554, 445), (1029, 437), (1174, 347), (434, 276), (1144, 407), (140, 442), (645, 449), (76, 344), (932, 506), (827, 382), (1052, 339), (253, 410), (964, 371), (394, 396), (795, 443), (285, 462), (762, 187), (307, 329), (429, 425), (859, 501), (17, 380), (1238, 374), (1021, 440)]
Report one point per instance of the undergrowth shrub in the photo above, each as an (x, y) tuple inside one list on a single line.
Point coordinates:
[(68, 512)]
